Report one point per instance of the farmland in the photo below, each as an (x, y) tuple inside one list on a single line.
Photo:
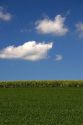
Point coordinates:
[(41, 106)]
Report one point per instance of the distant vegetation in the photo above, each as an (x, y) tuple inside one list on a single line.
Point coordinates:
[(41, 83)]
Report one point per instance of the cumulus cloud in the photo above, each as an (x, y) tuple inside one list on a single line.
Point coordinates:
[(56, 26), (4, 15), (79, 28), (58, 57), (28, 51)]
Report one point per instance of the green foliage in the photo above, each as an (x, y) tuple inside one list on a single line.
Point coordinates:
[(41, 106), (41, 83)]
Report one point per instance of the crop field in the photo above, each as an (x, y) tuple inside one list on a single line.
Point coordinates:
[(41, 83), (41, 106)]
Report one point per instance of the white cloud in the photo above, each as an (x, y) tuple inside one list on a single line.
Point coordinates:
[(79, 28), (28, 51), (58, 57), (56, 26), (4, 15)]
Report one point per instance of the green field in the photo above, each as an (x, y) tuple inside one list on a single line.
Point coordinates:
[(41, 106)]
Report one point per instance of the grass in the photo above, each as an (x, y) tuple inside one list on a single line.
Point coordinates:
[(41, 106)]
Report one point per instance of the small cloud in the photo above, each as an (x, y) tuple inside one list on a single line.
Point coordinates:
[(30, 50), (58, 57), (68, 12), (55, 27), (25, 30), (4, 15), (1, 8), (79, 29)]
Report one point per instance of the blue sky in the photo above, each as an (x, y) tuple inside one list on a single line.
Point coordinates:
[(41, 40)]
